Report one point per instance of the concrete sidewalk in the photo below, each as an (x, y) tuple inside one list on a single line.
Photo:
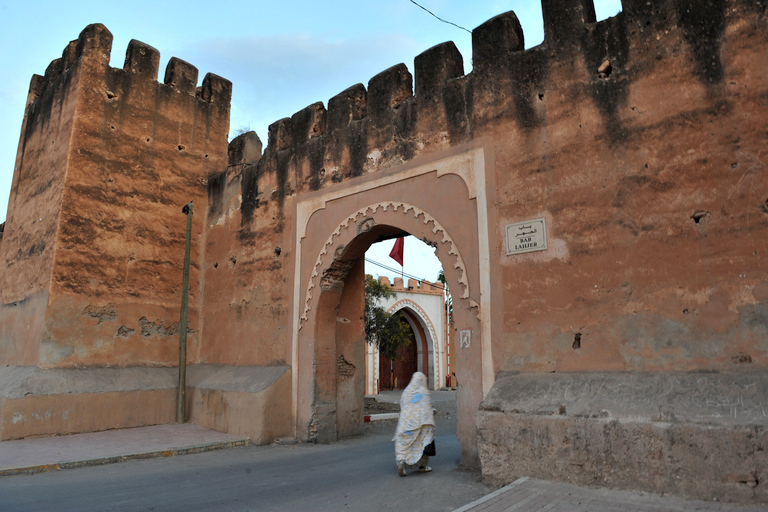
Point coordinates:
[(42, 454), (531, 495)]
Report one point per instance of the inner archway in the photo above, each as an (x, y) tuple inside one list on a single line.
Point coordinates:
[(338, 330)]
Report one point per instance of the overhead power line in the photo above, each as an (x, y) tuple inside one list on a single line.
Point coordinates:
[(439, 18), (397, 271), (503, 49)]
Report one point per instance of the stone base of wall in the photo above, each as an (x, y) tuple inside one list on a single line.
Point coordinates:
[(249, 401), (38, 402), (697, 435)]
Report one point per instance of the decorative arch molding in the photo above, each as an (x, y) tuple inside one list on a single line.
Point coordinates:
[(323, 270), (419, 311), (410, 304)]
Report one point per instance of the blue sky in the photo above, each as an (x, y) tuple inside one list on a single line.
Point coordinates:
[(280, 56)]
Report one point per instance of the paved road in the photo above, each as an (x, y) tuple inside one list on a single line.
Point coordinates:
[(356, 474)]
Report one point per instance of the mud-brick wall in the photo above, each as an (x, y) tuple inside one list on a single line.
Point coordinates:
[(247, 274), (251, 237), (27, 252), (139, 150), (641, 140)]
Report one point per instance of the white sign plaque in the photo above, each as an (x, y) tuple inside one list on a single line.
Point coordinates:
[(527, 236), (465, 338)]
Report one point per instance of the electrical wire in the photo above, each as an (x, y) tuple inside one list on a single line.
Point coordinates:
[(439, 18), (503, 49), (396, 271)]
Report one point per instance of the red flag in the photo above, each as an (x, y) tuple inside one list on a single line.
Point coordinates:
[(397, 251)]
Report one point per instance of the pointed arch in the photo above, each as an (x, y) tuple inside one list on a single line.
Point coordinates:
[(432, 338)]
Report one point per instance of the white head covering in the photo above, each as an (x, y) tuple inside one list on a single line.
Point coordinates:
[(415, 405)]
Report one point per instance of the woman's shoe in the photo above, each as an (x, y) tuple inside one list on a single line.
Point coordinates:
[(425, 469), (401, 468)]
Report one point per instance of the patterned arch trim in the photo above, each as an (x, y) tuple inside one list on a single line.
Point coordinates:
[(363, 214), (408, 303)]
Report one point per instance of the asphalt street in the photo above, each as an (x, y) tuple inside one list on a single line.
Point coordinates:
[(354, 474)]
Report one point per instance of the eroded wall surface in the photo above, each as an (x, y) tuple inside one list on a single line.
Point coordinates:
[(649, 174), (94, 243), (106, 161)]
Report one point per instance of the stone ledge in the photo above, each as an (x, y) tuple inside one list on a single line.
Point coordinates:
[(22, 381), (674, 397), (249, 379), (253, 401), (699, 435)]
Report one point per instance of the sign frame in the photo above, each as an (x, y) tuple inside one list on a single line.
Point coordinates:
[(526, 236)]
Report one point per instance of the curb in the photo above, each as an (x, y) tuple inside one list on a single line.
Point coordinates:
[(489, 497), (385, 416), (172, 452)]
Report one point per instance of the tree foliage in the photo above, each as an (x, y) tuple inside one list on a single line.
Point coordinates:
[(448, 298), (382, 329)]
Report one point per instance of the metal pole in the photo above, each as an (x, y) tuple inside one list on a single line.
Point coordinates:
[(181, 400)]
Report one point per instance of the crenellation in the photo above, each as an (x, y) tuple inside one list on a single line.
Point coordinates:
[(434, 67), (95, 42), (142, 59), (308, 123), (606, 56), (308, 144), (391, 115), (36, 85), (495, 38), (53, 71), (346, 132), (279, 136), (565, 22), (347, 106), (69, 56), (216, 89), (386, 91), (245, 149), (181, 75)]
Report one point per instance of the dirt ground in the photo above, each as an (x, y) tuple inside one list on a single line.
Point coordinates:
[(373, 406)]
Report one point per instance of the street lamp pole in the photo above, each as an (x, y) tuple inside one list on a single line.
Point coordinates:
[(182, 395)]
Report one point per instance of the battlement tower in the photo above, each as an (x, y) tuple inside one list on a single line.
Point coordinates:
[(94, 242)]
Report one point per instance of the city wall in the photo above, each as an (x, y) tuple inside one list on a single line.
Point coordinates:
[(640, 140)]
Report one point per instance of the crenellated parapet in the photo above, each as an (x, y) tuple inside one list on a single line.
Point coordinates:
[(423, 287), (396, 119), (94, 45), (581, 61), (107, 158)]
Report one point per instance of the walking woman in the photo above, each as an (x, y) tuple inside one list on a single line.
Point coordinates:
[(416, 426)]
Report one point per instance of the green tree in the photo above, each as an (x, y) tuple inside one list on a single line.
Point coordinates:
[(448, 298), (382, 329)]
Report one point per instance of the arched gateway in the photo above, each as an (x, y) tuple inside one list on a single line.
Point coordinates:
[(441, 201)]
